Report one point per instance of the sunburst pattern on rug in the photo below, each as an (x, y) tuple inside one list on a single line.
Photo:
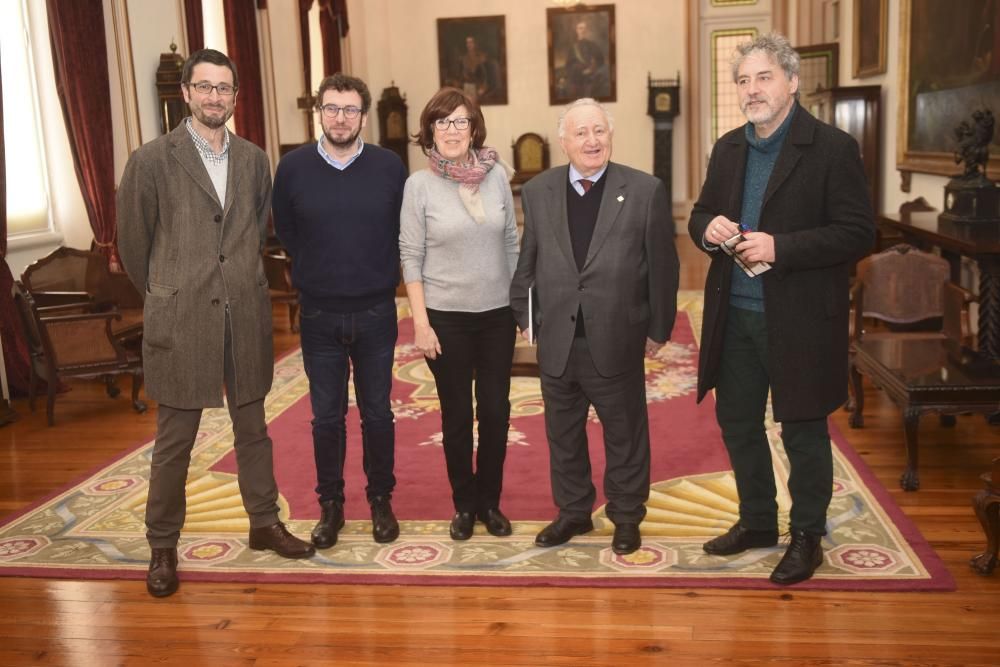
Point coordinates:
[(95, 528)]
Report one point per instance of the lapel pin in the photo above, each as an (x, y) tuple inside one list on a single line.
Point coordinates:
[(621, 198)]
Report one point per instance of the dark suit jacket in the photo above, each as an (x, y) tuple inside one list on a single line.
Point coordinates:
[(628, 285), (818, 209), (190, 255)]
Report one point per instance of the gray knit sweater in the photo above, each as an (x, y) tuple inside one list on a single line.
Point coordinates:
[(464, 266)]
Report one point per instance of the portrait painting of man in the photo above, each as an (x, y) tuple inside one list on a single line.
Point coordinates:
[(472, 56), (581, 53)]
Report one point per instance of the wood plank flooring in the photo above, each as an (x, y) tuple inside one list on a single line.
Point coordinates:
[(82, 623)]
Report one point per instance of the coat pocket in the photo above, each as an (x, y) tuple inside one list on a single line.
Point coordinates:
[(158, 316)]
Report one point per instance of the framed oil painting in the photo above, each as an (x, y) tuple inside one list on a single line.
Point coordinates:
[(472, 56), (948, 69), (581, 44), (871, 22)]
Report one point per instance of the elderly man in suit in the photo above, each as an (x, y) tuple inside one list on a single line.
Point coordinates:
[(798, 190), (598, 253), (192, 213)]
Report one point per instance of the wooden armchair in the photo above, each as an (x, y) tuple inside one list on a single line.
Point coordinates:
[(278, 268), (906, 294), (72, 341), (68, 274)]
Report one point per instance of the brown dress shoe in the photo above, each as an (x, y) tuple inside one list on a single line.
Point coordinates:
[(277, 539), (161, 580), (385, 528)]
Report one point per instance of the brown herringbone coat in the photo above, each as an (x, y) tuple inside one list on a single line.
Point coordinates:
[(190, 256)]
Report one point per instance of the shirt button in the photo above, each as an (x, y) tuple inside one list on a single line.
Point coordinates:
[(580, 287), (222, 258), (218, 218), (215, 302)]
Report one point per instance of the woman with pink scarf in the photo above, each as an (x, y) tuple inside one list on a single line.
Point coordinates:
[(458, 245)]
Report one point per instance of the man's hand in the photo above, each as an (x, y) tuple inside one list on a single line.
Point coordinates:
[(652, 347), (720, 229), (758, 247)]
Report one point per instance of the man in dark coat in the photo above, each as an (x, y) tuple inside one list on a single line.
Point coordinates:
[(797, 189), (192, 212)]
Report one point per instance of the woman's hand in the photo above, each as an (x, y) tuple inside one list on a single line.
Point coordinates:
[(426, 341)]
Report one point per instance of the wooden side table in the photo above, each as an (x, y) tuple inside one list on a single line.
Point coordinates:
[(987, 506)]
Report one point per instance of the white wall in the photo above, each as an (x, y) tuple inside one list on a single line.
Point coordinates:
[(399, 43)]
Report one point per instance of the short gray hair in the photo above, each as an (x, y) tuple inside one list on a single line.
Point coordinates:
[(777, 49), (583, 102)]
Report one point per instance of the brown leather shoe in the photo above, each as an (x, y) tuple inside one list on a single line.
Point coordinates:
[(161, 580), (277, 539)]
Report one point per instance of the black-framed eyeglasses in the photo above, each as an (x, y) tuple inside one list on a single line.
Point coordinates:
[(205, 88), (460, 123), (332, 111)]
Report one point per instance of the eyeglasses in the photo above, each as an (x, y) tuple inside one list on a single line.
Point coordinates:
[(205, 88), (460, 123), (332, 111)]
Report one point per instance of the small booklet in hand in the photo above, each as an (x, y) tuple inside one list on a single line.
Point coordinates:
[(750, 268)]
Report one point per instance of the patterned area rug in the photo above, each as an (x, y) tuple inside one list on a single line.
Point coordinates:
[(95, 530)]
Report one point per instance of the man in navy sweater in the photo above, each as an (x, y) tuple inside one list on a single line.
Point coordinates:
[(336, 209)]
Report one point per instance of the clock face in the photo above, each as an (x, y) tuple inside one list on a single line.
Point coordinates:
[(663, 102), (395, 128)]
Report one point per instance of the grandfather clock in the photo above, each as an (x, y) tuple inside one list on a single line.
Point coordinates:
[(664, 105), (392, 123), (173, 108)]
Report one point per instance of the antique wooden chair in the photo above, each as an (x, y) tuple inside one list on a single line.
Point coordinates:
[(68, 274), (278, 268), (905, 293), (73, 341)]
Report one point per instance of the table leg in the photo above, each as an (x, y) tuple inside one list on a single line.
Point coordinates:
[(987, 506), (910, 479)]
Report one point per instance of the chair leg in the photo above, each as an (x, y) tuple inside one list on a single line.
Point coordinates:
[(137, 405), (293, 317), (111, 386)]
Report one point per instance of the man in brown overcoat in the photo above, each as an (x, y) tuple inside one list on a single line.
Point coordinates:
[(192, 212)]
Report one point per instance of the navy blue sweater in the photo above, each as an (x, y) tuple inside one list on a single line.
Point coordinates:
[(340, 227)]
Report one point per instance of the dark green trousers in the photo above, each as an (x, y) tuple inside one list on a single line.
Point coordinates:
[(741, 399)]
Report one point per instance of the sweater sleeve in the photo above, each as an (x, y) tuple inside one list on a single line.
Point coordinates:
[(281, 207), (413, 230), (510, 225)]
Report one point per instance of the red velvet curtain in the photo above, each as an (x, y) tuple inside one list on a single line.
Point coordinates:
[(80, 58), (15, 348), (241, 36), (195, 27)]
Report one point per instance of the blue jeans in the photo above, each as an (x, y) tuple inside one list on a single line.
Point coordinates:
[(331, 344)]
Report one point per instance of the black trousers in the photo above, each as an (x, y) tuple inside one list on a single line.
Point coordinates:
[(741, 400), (477, 350), (620, 402)]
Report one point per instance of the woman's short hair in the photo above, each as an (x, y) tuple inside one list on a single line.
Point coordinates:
[(441, 105)]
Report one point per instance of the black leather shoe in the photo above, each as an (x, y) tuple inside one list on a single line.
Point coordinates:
[(738, 539), (561, 531), (161, 580), (461, 525), (803, 556), (626, 539), (385, 528), (331, 520), (496, 523), (276, 538)]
